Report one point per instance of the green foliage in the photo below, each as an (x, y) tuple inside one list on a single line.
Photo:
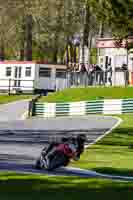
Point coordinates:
[(116, 14), (56, 22)]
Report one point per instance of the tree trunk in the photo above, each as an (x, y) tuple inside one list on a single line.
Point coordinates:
[(86, 32), (101, 29), (21, 54), (75, 54), (2, 51), (22, 42), (71, 53), (89, 48), (55, 56), (29, 26), (86, 26), (67, 54)]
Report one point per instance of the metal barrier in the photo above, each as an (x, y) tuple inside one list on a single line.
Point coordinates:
[(101, 78)]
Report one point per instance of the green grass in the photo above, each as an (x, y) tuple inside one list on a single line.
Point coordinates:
[(31, 187), (114, 153), (84, 94), (6, 98)]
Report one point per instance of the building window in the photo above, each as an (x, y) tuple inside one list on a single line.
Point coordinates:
[(28, 71), (44, 72), (8, 71), (60, 73)]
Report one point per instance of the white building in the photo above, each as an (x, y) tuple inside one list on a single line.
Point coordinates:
[(109, 54), (27, 76)]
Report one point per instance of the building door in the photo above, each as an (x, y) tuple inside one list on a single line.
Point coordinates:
[(18, 74)]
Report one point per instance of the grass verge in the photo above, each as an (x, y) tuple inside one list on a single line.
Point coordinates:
[(31, 187), (7, 99), (114, 153), (84, 94)]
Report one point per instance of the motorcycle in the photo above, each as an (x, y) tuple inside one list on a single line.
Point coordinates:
[(60, 156)]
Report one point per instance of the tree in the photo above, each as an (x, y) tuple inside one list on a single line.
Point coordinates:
[(116, 14), (7, 18)]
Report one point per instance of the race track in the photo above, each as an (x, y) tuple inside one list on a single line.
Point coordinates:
[(23, 140)]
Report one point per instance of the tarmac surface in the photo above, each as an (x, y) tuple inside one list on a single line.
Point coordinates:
[(24, 139)]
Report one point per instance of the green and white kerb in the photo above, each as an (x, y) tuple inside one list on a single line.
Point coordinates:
[(109, 106)]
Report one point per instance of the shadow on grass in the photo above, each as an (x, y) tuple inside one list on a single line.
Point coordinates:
[(120, 137), (61, 188), (114, 171)]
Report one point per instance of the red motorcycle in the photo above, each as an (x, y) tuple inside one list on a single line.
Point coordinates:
[(57, 157)]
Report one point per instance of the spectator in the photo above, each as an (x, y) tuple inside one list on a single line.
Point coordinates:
[(99, 74), (109, 70), (126, 73)]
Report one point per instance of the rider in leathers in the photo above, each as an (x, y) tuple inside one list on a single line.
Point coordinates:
[(79, 142)]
